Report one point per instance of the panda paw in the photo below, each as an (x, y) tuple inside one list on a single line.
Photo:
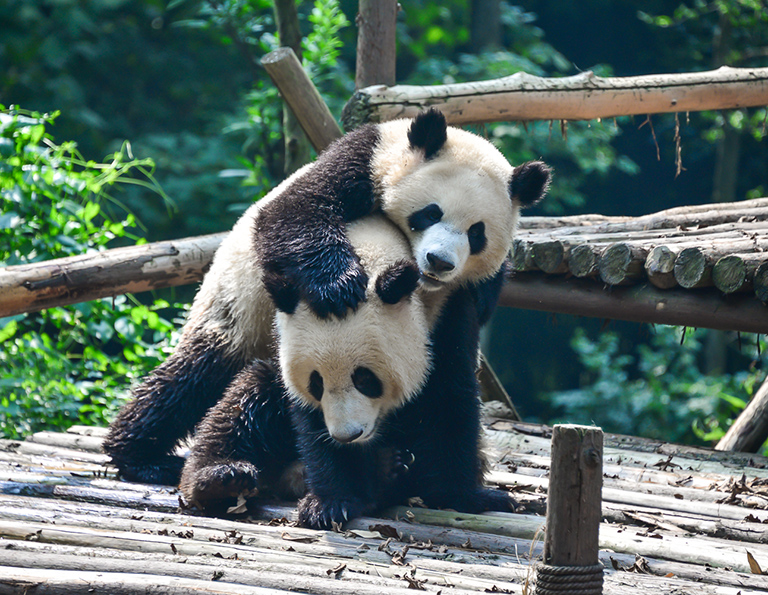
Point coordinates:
[(495, 500), (219, 485), (319, 513), (163, 471), (332, 295)]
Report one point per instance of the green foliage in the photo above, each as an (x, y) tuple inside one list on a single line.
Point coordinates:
[(68, 365), (578, 150), (660, 392)]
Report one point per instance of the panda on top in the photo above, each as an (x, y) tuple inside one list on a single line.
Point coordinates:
[(451, 193)]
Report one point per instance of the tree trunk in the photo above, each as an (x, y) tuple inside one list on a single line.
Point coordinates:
[(297, 147)]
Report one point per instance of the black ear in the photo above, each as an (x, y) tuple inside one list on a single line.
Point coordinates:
[(428, 132), (397, 282), (530, 182)]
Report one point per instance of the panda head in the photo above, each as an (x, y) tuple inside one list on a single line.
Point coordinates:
[(454, 195), (358, 369)]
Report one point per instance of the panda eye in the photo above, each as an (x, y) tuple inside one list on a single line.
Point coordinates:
[(426, 217), (477, 239), (367, 383), (316, 385)]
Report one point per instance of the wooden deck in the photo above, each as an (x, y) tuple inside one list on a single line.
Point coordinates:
[(675, 520)]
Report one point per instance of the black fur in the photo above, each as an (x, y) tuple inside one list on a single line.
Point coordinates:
[(428, 132), (530, 182), (397, 282), (486, 294), (428, 448), (300, 237), (166, 406), (244, 442)]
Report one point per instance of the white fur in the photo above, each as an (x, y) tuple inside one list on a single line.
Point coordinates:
[(392, 340), (468, 179)]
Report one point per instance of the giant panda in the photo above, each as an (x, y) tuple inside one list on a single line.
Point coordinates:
[(350, 401), (451, 193)]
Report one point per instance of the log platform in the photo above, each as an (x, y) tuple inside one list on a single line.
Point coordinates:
[(674, 520)]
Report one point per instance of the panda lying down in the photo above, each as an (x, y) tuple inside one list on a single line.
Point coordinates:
[(456, 200)]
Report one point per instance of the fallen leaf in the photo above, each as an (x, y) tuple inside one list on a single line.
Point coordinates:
[(753, 565)]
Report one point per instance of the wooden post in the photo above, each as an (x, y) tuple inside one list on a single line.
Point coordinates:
[(302, 96), (376, 43), (750, 430), (573, 513)]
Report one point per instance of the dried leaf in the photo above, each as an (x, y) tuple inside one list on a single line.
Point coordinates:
[(241, 506), (386, 531), (336, 570), (753, 565)]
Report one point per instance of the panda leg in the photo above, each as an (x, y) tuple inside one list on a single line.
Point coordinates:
[(341, 479), (166, 407), (244, 442), (448, 464)]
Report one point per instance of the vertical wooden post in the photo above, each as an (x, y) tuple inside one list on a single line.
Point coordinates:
[(573, 513), (376, 43)]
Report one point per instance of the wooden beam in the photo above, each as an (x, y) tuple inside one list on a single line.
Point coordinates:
[(585, 96), (638, 303), (750, 429), (302, 96), (40, 285)]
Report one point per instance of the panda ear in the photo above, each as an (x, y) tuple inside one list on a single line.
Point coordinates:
[(428, 132), (397, 282), (530, 182)]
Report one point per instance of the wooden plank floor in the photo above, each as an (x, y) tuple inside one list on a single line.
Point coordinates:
[(675, 520)]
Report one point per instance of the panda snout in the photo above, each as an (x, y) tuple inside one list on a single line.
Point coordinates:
[(438, 264), (345, 437)]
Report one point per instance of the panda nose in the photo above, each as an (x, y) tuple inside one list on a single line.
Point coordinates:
[(347, 438), (438, 264)]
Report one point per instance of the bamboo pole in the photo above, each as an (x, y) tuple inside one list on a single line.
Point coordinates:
[(585, 96)]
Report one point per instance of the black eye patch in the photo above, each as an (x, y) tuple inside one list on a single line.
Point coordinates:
[(477, 239), (424, 218), (367, 383), (316, 385)]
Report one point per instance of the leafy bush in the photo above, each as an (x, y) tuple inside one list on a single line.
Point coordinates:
[(659, 393), (68, 365)]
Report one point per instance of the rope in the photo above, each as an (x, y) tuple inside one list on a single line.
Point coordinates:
[(574, 580)]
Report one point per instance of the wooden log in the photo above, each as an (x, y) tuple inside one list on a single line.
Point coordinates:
[(573, 504), (660, 267), (550, 257), (376, 43), (730, 274), (68, 440), (693, 269), (692, 216), (760, 282), (33, 287), (583, 260), (18, 581), (750, 429), (621, 264), (585, 96), (636, 303), (522, 256), (302, 96)]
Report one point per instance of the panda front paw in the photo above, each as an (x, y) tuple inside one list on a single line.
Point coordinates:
[(162, 471), (495, 500), (323, 513), (333, 295), (218, 486)]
